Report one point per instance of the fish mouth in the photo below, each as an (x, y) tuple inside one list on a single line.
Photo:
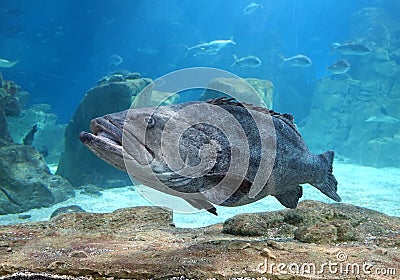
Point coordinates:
[(105, 141), (108, 130)]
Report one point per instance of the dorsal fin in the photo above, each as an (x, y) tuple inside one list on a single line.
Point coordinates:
[(287, 118)]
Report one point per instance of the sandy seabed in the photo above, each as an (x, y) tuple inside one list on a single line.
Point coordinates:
[(374, 188)]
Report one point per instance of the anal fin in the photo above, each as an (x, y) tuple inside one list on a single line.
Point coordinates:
[(202, 204), (290, 198)]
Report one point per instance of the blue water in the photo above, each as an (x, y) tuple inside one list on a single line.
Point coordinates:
[(65, 45)]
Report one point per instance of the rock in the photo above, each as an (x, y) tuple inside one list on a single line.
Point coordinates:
[(10, 105), (91, 190), (373, 90), (49, 137), (240, 89), (319, 233), (24, 217), (153, 98), (4, 133), (346, 105), (264, 88), (26, 182), (79, 165), (133, 76), (275, 245), (314, 222), (67, 209), (116, 78), (142, 243)]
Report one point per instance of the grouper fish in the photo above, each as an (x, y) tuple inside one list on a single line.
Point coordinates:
[(278, 160)]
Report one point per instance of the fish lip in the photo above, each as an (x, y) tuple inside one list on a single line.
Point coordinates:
[(110, 130), (107, 129)]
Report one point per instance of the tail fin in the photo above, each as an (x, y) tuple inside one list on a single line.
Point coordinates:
[(329, 185), (236, 60)]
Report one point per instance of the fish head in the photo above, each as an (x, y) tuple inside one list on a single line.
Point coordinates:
[(152, 144)]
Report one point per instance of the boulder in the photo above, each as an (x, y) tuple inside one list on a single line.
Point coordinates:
[(240, 89), (316, 222), (142, 243), (26, 182), (49, 137), (4, 133), (77, 164)]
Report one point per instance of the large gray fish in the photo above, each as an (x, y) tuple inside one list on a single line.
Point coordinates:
[(252, 8), (290, 161), (249, 61), (340, 66), (299, 60), (210, 48), (351, 48), (7, 63)]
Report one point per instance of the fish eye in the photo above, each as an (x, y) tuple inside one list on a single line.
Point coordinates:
[(150, 122)]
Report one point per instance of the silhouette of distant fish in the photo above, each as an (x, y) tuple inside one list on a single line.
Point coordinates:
[(249, 61), (147, 51), (340, 66), (384, 117), (115, 60), (28, 139), (210, 48), (7, 64), (351, 48), (252, 8), (299, 60)]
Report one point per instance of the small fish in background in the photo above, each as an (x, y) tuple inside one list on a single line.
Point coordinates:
[(28, 139), (147, 51), (210, 48), (252, 8), (7, 64), (340, 66), (115, 60), (199, 49), (384, 117), (351, 48), (249, 61), (299, 60)]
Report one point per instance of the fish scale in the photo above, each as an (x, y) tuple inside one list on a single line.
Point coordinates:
[(273, 141)]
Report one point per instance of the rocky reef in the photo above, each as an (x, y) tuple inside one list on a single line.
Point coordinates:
[(26, 182), (240, 88), (9, 105), (358, 115), (25, 179), (142, 243)]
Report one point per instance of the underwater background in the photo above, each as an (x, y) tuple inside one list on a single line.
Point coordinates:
[(65, 48)]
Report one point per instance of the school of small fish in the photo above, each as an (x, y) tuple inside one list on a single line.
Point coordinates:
[(339, 67)]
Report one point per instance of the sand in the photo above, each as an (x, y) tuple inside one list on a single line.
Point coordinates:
[(374, 188)]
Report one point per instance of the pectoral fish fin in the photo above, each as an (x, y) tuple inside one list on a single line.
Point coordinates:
[(290, 198), (202, 204), (329, 185), (228, 193)]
